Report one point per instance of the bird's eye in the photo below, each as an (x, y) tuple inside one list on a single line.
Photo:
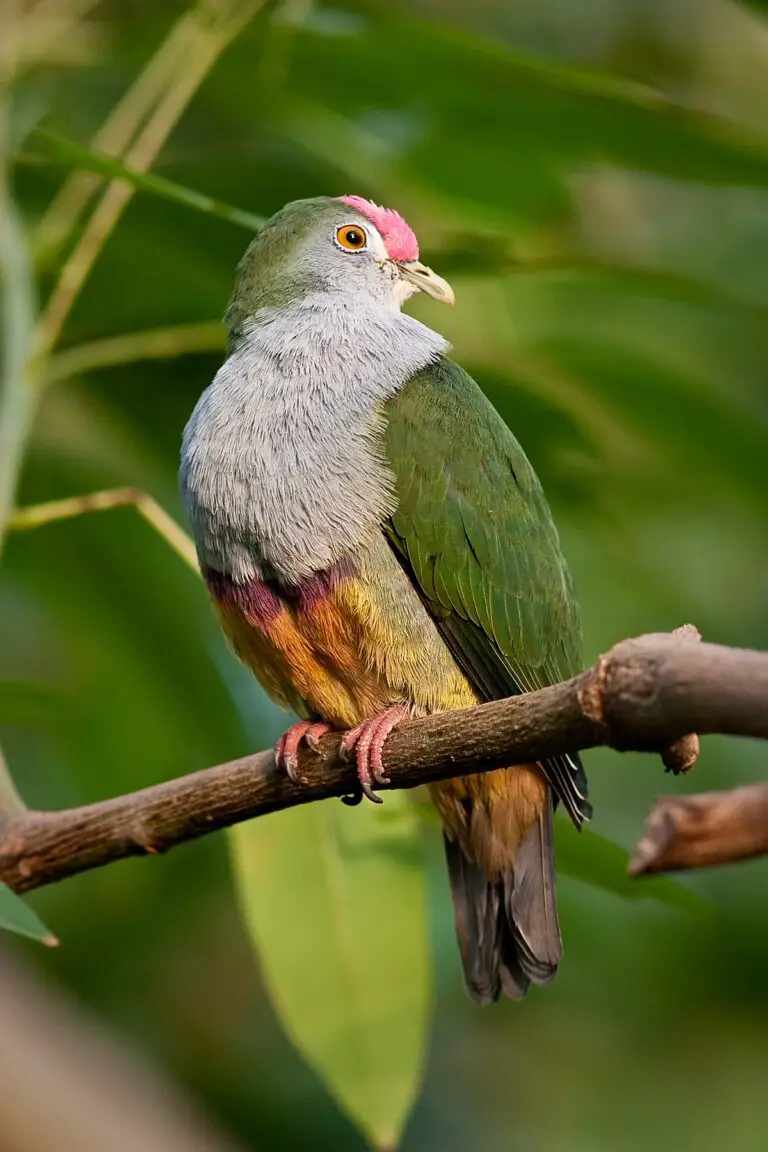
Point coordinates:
[(351, 237)]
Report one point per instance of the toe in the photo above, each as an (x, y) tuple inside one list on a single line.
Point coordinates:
[(280, 751), (287, 747), (367, 741), (385, 725), (363, 756), (314, 733), (349, 740), (293, 738)]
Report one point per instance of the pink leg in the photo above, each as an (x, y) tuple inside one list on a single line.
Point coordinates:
[(287, 747), (367, 739)]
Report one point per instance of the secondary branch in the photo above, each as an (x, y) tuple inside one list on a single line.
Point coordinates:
[(704, 830)]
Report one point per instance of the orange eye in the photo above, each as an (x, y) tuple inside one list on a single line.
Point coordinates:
[(351, 237)]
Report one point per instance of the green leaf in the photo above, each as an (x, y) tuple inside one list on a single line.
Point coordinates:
[(16, 916), (26, 702), (597, 861), (60, 150), (334, 899)]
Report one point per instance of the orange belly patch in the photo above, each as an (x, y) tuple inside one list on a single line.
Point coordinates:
[(304, 649)]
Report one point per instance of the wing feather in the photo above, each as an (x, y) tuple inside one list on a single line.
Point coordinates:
[(475, 534)]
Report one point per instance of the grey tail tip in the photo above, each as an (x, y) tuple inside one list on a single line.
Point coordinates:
[(507, 929)]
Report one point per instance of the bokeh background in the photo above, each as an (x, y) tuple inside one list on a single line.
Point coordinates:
[(592, 177)]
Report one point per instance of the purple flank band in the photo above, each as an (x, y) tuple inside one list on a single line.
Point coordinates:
[(254, 599), (312, 590), (263, 602)]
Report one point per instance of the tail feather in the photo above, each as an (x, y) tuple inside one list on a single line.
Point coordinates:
[(508, 930), (477, 906), (531, 903)]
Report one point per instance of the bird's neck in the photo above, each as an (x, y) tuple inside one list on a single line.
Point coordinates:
[(337, 346), (282, 468)]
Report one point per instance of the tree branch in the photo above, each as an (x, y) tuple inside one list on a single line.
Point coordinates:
[(646, 694), (699, 831)]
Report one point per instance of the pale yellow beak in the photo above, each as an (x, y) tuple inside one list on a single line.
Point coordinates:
[(427, 281)]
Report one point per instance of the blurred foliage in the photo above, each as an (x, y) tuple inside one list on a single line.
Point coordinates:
[(592, 177)]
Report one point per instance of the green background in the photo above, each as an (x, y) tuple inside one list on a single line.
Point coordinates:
[(592, 177)]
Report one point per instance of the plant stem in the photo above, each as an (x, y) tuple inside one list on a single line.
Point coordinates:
[(17, 323), (36, 515), (18, 399), (68, 152), (114, 137), (152, 344), (218, 22), (11, 804)]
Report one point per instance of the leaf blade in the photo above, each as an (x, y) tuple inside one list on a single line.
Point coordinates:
[(61, 150), (18, 917), (597, 861), (348, 972)]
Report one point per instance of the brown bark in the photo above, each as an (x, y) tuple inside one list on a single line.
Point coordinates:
[(647, 694), (699, 831)]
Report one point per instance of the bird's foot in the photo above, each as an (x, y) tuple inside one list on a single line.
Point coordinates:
[(287, 747), (367, 741)]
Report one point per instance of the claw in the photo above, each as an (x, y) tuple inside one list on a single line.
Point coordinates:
[(287, 747), (314, 734), (367, 740)]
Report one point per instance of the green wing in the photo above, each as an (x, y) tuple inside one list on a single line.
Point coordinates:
[(474, 531)]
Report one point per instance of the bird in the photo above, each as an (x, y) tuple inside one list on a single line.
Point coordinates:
[(377, 546)]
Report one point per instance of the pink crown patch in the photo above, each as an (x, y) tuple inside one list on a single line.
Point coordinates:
[(399, 237)]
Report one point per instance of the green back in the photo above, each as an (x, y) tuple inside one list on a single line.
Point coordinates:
[(474, 531)]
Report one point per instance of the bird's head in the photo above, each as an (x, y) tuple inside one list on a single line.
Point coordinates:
[(346, 246)]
